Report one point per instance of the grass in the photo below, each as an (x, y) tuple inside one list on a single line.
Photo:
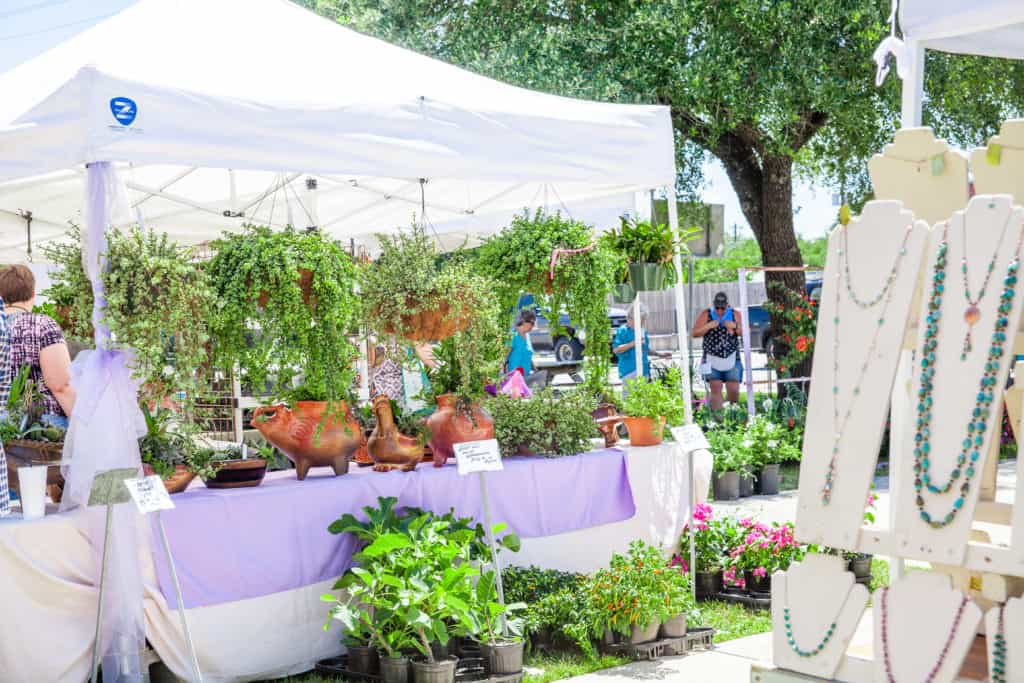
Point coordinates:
[(732, 621), (559, 666)]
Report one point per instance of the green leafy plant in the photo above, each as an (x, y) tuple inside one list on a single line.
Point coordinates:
[(491, 616), (164, 445), (544, 424), (654, 400), (713, 540), (285, 304), (765, 549), (729, 453), (157, 299), (798, 314), (518, 260), (22, 418), (645, 242)]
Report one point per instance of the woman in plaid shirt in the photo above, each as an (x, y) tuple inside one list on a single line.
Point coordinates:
[(36, 340)]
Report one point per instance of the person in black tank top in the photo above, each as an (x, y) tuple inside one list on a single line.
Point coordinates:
[(720, 327)]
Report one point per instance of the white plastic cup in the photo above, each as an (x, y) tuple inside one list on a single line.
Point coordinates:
[(32, 482)]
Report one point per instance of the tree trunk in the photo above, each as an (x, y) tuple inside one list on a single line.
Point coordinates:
[(779, 247)]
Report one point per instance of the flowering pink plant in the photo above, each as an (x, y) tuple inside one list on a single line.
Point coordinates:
[(713, 540), (765, 549)]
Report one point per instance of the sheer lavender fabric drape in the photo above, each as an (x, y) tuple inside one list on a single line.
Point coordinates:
[(105, 426)]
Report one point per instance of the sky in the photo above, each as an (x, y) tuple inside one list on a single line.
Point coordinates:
[(30, 27)]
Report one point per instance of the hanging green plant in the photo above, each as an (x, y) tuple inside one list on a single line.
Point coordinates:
[(70, 291), (519, 260), (157, 305), (285, 305), (646, 250)]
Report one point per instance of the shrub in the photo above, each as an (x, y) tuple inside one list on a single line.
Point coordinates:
[(543, 424)]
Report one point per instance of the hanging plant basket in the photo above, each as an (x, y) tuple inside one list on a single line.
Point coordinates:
[(434, 324), (305, 284), (647, 277)]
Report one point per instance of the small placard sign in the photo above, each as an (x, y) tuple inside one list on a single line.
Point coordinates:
[(149, 494), (478, 456), (691, 438)]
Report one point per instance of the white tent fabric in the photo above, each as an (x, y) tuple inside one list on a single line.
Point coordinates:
[(179, 91), (994, 28)]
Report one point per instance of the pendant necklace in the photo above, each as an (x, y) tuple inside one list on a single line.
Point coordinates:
[(999, 651), (977, 423), (886, 658), (885, 296), (972, 313), (788, 622)]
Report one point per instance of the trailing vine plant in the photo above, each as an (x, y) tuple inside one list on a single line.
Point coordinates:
[(518, 260), (157, 306), (285, 305)]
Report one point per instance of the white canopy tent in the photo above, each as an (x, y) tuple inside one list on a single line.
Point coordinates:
[(229, 108), (992, 28)]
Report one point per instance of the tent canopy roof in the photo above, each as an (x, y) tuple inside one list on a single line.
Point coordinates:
[(993, 28), (180, 91)]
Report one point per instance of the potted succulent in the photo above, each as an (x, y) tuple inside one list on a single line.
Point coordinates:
[(502, 651), (647, 407), (228, 468), (167, 449), (27, 441), (544, 425)]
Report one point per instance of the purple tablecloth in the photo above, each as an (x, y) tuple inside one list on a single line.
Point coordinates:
[(233, 544)]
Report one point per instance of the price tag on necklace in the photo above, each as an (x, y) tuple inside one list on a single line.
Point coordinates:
[(691, 438)]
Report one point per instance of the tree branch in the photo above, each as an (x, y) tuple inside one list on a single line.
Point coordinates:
[(809, 123)]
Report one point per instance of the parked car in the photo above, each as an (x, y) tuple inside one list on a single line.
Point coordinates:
[(566, 344), (760, 324)]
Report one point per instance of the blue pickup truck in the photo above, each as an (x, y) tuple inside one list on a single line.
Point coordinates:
[(760, 324)]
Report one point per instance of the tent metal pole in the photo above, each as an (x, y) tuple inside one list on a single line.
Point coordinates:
[(680, 292), (913, 87), (748, 374)]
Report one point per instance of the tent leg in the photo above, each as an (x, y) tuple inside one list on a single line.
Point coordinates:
[(748, 378), (681, 331), (913, 87)]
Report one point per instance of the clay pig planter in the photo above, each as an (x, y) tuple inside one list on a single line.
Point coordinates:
[(450, 425), (309, 439)]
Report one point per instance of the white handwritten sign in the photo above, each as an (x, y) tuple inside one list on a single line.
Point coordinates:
[(149, 494), (478, 456), (690, 437)]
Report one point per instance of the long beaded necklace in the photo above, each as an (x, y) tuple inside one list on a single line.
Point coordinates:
[(999, 651), (787, 621), (945, 648), (977, 423), (839, 425), (972, 313)]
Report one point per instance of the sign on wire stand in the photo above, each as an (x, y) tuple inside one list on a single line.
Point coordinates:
[(691, 438), (149, 494), (480, 457)]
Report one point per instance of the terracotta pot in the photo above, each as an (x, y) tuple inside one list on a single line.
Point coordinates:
[(177, 482), (362, 456), (314, 434), (645, 431), (237, 474), (608, 419), (450, 425), (33, 453)]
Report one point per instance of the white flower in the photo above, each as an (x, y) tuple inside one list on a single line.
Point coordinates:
[(767, 405), (772, 443), (770, 427), (747, 443)]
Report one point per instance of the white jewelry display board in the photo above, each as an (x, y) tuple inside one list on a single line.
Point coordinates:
[(873, 242), (991, 229), (818, 592), (1013, 634), (922, 172), (921, 610), (999, 167)]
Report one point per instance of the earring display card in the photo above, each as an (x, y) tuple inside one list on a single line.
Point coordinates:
[(928, 629), (957, 391), (816, 603), (1008, 656), (871, 274)]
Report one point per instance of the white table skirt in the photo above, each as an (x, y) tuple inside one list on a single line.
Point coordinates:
[(49, 597)]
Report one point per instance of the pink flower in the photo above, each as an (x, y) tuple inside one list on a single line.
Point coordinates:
[(746, 522), (765, 545), (701, 525), (760, 572), (752, 539), (703, 512), (676, 561)]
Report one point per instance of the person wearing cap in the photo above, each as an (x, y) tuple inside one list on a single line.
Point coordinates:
[(720, 327), (624, 348), (521, 355)]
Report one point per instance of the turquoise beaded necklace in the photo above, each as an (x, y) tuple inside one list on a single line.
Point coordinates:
[(977, 424), (787, 621), (999, 651), (885, 296)]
